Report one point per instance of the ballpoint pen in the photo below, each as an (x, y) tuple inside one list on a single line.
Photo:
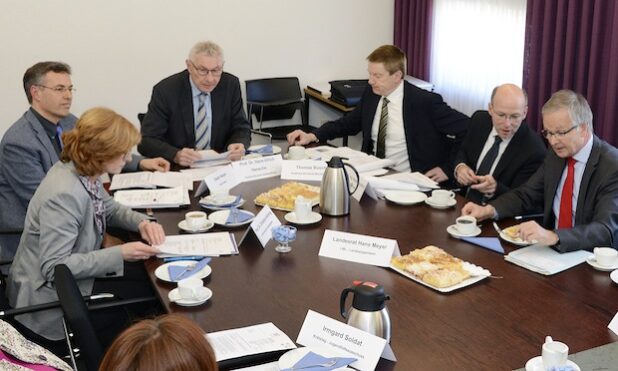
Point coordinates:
[(529, 216)]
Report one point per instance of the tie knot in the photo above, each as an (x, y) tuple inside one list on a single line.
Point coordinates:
[(59, 130), (571, 161), (386, 101), (497, 140)]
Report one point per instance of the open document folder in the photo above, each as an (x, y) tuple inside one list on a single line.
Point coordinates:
[(149, 179), (153, 198), (545, 260), (203, 244)]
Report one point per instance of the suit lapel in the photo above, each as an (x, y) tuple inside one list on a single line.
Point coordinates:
[(553, 171), (42, 137), (510, 151), (217, 100), (368, 116), (589, 170), (186, 109)]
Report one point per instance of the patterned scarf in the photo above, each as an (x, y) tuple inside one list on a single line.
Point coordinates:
[(94, 190)]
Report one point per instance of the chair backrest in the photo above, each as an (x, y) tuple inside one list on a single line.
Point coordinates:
[(77, 317), (281, 90)]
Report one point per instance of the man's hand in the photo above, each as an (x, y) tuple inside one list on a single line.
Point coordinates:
[(530, 231), (134, 251), (300, 138), (237, 150), (465, 176), (486, 184), (151, 232), (186, 157), (437, 175), (154, 164), (478, 211)]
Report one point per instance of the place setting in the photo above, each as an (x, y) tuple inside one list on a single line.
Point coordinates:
[(195, 222), (181, 269), (303, 213), (465, 226), (221, 200), (604, 259), (313, 358), (190, 292), (441, 199), (232, 217), (404, 198)]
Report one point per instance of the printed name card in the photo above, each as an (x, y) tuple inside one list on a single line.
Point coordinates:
[(303, 170), (321, 331), (263, 225), (258, 168), (224, 178), (359, 248), (613, 324), (360, 190)]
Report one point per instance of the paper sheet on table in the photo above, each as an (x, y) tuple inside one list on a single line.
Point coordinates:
[(201, 172), (369, 163), (245, 341), (149, 179), (376, 184), (545, 260), (153, 198), (211, 158), (414, 178), (204, 244)]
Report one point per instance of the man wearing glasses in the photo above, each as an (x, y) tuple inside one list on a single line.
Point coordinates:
[(32, 145), (199, 108), (576, 187)]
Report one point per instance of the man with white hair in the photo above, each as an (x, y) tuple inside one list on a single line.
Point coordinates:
[(196, 109), (576, 186)]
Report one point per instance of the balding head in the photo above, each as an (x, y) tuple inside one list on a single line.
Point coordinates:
[(508, 108)]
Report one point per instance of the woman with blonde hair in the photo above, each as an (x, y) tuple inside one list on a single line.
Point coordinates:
[(65, 224), (167, 343)]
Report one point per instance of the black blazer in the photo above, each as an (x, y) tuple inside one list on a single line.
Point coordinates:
[(433, 130), (596, 218), (521, 158), (169, 126)]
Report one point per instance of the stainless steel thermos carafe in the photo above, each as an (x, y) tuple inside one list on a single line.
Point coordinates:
[(368, 311), (335, 190)]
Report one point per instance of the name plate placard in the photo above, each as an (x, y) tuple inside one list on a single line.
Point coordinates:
[(321, 331), (303, 170), (263, 225), (224, 178), (258, 168), (359, 248)]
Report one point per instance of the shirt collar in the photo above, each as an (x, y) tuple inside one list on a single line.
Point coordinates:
[(493, 133), (396, 94), (195, 92), (583, 154), (48, 126)]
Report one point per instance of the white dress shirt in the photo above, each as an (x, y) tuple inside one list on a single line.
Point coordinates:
[(489, 142)]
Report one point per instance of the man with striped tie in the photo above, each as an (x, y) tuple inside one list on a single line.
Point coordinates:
[(199, 108), (576, 186), (399, 121)]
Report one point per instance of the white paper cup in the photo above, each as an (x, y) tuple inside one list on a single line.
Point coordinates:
[(465, 224), (195, 219), (606, 256), (442, 196), (554, 354), (296, 153), (302, 208), (189, 288)]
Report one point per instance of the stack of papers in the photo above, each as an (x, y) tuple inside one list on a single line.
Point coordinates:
[(211, 158), (545, 260), (147, 179), (204, 244), (361, 161), (422, 181), (153, 198)]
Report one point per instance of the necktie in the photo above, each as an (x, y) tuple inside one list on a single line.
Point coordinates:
[(59, 135), (380, 150), (201, 124), (484, 169), (565, 219)]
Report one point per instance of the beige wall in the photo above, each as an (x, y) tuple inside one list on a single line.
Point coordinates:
[(120, 48)]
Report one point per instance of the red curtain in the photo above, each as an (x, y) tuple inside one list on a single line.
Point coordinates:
[(413, 34), (573, 44)]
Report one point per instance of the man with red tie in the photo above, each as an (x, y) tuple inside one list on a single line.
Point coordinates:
[(576, 187)]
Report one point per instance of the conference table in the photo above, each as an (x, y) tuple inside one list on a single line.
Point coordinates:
[(496, 324)]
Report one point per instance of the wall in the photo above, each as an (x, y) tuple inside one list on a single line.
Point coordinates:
[(119, 49)]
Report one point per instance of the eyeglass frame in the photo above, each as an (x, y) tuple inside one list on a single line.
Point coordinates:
[(217, 72), (59, 89), (558, 134)]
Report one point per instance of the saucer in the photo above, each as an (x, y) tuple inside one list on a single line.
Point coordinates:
[(220, 218), (205, 294), (593, 262), (536, 364), (313, 218), (404, 197), (614, 276), (431, 202), (162, 272), (216, 201), (276, 149), (207, 205), (452, 230), (207, 225)]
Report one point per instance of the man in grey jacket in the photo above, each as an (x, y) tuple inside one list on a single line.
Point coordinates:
[(33, 144)]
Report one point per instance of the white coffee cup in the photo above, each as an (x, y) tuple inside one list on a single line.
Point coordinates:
[(554, 353), (465, 224), (195, 219), (302, 208), (220, 195), (606, 256), (190, 288), (296, 153), (442, 196)]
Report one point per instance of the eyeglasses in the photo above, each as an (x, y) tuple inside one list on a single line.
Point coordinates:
[(204, 72), (558, 134), (59, 89)]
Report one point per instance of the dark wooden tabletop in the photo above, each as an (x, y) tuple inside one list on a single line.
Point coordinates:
[(496, 324)]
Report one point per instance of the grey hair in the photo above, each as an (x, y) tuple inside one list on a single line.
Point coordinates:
[(577, 106), (208, 48)]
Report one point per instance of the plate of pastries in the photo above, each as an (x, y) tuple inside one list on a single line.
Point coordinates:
[(283, 197)]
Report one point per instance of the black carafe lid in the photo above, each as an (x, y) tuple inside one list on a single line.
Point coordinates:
[(369, 296), (336, 162)]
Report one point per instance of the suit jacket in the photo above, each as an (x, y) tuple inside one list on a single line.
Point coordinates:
[(169, 125), (433, 130), (596, 220), (60, 228), (523, 155)]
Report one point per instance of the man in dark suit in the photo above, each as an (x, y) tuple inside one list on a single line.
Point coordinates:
[(576, 187), (196, 109), (498, 153), (399, 121)]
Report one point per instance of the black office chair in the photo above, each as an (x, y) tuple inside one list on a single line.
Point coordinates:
[(275, 99)]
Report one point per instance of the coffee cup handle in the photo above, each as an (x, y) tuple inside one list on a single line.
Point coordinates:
[(452, 194)]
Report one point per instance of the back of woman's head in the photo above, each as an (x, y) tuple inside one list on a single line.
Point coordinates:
[(167, 343), (100, 135)]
